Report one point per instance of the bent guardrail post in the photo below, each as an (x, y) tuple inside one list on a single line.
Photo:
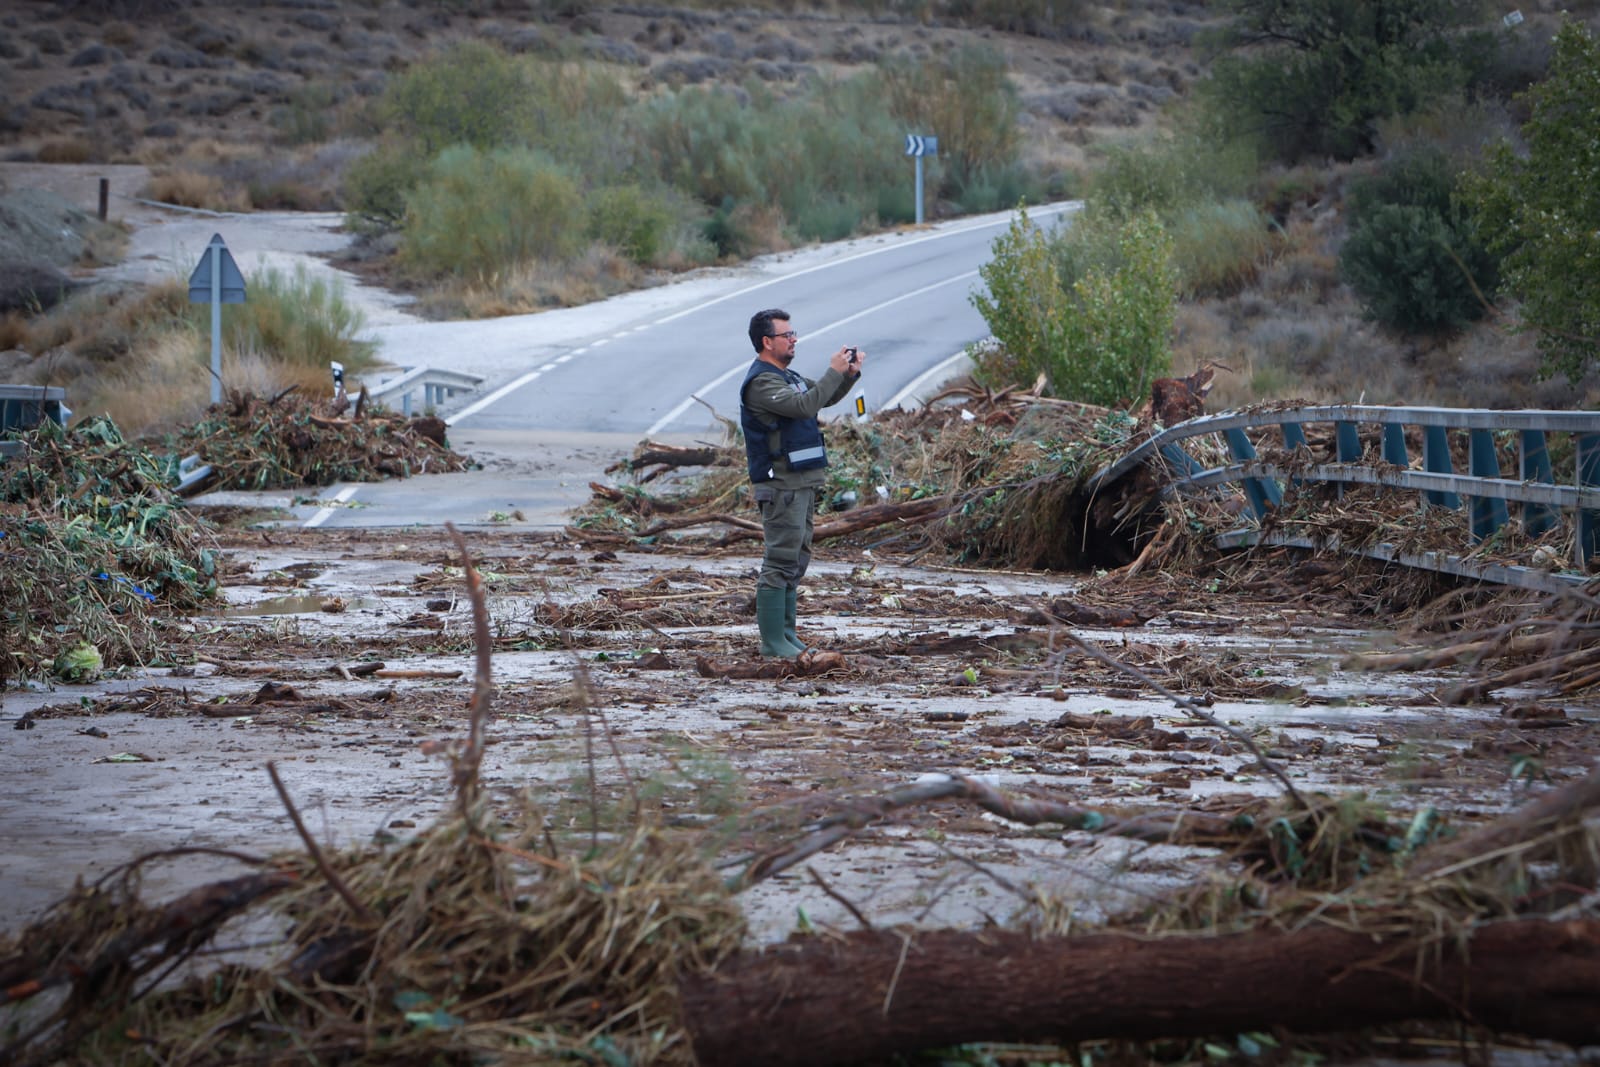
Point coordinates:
[(1536, 518), (1488, 513), (1588, 522), (1262, 493), (1436, 460), (1394, 445)]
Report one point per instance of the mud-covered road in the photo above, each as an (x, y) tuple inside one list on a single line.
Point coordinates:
[(946, 670)]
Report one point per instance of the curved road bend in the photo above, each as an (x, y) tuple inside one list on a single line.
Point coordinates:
[(577, 395)]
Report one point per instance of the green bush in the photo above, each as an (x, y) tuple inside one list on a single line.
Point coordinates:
[(295, 319), (1168, 174), (1541, 211), (472, 94), (1024, 303), (1101, 337), (1219, 246), (632, 219), (375, 186), (1119, 336), (1311, 77), (1413, 257), (966, 100), (477, 214)]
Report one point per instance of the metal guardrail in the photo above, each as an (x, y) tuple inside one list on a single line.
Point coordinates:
[(1541, 501), (437, 386), (26, 406)]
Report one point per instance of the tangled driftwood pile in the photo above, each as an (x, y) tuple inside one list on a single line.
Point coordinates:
[(288, 441)]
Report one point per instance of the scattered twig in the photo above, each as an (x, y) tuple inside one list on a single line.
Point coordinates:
[(315, 850)]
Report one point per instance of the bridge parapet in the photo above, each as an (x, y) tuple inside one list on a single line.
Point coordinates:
[(1537, 444)]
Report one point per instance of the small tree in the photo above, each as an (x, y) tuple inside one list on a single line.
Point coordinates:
[(1542, 211), (1103, 337)]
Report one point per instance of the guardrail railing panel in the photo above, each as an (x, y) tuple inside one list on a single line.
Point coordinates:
[(1542, 503), (1588, 465)]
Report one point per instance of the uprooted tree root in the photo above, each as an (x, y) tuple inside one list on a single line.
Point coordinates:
[(487, 938)]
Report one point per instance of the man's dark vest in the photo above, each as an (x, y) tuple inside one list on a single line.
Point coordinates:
[(799, 440)]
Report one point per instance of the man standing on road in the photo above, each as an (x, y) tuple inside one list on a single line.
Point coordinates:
[(788, 464)]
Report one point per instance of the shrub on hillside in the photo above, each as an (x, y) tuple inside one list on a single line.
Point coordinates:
[(1542, 211), (479, 213), (473, 94), (1219, 246), (967, 100), (635, 221), (1413, 257), (1311, 77), (375, 186)]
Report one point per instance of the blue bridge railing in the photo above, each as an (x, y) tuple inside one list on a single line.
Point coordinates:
[(1488, 493)]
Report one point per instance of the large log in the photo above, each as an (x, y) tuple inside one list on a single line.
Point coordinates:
[(871, 994)]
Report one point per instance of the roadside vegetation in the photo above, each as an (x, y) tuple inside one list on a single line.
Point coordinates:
[(142, 356), (1415, 224)]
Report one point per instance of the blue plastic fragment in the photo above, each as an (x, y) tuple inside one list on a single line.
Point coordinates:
[(146, 594)]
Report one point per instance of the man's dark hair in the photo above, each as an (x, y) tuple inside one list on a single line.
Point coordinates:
[(761, 324)]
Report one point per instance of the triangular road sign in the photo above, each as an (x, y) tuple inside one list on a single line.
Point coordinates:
[(216, 256)]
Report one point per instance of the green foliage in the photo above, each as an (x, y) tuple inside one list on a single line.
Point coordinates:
[(1168, 174), (375, 186), (480, 213), (1119, 339), (632, 219), (1311, 77), (967, 101), (1096, 322), (1413, 256), (473, 93), (1218, 246), (1025, 301), (308, 116), (1541, 212), (296, 319)]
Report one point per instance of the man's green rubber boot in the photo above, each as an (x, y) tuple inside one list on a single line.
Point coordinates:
[(791, 603), (770, 610)]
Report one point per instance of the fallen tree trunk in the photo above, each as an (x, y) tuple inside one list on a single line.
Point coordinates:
[(865, 996)]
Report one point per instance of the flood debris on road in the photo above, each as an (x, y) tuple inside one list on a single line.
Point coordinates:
[(1163, 802)]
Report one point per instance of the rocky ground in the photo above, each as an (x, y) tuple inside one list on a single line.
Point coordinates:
[(154, 79)]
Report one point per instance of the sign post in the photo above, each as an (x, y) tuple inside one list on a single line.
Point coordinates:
[(216, 281), (919, 146)]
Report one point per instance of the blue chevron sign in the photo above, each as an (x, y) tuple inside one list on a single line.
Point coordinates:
[(921, 146)]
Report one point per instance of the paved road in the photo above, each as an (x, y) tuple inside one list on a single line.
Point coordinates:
[(567, 392)]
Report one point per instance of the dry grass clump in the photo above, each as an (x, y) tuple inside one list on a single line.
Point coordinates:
[(598, 272), (190, 188)]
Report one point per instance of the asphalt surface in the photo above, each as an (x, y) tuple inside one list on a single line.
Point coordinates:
[(566, 392)]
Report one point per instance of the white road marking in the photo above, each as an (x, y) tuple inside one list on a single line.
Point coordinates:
[(673, 415), (477, 406), (341, 497)]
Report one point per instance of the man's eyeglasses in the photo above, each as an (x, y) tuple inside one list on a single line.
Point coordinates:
[(788, 334)]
